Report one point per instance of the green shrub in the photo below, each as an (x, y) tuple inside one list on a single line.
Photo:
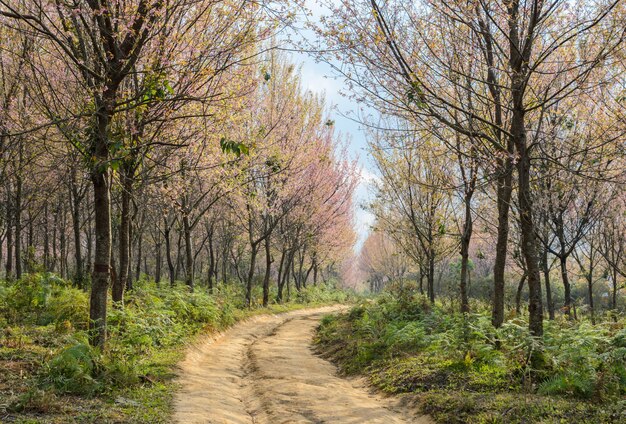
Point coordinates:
[(321, 293), (47, 311), (42, 299), (405, 345), (67, 305), (72, 370)]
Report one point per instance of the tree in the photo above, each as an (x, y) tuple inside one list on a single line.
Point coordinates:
[(404, 59)]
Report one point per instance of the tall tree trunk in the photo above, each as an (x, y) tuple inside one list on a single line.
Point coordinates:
[(431, 275), (421, 279), (253, 253), (212, 265), (168, 251), (268, 270), (308, 272), (102, 257), (590, 294), (139, 258), (119, 284), (18, 223), (546, 279), (529, 244), (31, 243), (225, 263), (518, 295), (465, 242), (188, 252), (289, 280), (158, 264), (504, 171), (301, 281), (504, 194), (78, 259), (285, 275), (46, 239), (131, 235), (9, 237), (179, 256), (519, 58), (567, 294), (63, 242), (55, 230), (615, 289), (280, 267), (139, 230), (89, 240)]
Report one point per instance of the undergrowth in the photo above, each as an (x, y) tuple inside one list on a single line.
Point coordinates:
[(463, 370), (49, 370)]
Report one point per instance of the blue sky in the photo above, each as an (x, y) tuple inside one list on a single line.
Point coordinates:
[(319, 77)]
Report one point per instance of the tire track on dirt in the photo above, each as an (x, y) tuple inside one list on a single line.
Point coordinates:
[(263, 371)]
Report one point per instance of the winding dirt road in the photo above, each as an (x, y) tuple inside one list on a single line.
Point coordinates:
[(264, 371)]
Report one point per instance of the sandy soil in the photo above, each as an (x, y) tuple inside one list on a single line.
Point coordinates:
[(264, 371)]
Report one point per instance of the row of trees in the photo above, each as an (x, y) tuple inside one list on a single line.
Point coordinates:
[(498, 113), (163, 138)]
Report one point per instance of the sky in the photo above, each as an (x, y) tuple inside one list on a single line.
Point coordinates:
[(318, 77)]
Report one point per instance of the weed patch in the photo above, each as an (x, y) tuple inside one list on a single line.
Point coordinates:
[(462, 370)]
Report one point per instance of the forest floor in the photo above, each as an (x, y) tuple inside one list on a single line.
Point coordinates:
[(50, 375), (265, 370)]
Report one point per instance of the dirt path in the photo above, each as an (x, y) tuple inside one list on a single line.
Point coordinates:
[(264, 371)]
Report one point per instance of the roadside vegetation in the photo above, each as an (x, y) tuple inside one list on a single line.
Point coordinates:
[(460, 369), (52, 375)]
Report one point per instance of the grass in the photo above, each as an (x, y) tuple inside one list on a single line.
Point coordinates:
[(48, 373), (459, 369)]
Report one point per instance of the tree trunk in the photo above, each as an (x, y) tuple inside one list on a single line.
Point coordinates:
[(285, 276), (529, 244), (465, 242), (301, 282), (179, 257), (102, 255), (308, 272), (158, 265), (212, 265), (268, 270), (138, 236), (18, 224), (119, 284), (253, 253), (55, 230), (139, 258), (46, 239), (431, 275), (518, 295), (78, 259), (421, 279), (615, 289), (88, 239), (168, 252), (63, 242), (188, 253), (546, 279), (9, 237), (590, 294), (504, 194), (519, 57), (567, 304), (280, 267)]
